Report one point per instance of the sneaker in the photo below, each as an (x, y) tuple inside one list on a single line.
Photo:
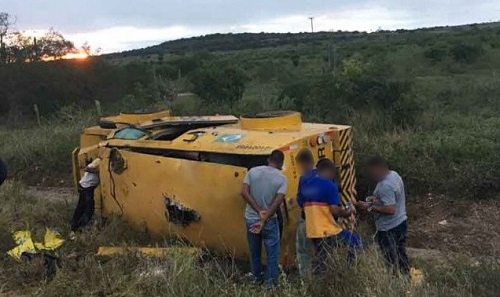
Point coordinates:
[(251, 278)]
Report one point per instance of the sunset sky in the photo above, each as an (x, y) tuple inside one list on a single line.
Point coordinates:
[(114, 25)]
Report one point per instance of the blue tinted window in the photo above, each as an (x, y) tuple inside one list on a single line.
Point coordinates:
[(129, 133)]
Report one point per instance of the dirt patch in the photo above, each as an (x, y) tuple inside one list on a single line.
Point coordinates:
[(53, 193), (457, 226)]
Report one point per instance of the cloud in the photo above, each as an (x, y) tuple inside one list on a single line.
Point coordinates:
[(115, 25)]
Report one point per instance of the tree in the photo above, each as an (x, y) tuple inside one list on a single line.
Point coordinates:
[(6, 23), (87, 49), (21, 49), (219, 84), (54, 45)]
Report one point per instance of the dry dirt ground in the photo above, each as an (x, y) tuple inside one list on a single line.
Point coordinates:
[(435, 223), (455, 225)]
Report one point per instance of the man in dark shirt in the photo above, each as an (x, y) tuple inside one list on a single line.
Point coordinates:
[(303, 245), (322, 206)]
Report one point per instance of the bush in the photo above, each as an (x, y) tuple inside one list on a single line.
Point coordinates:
[(466, 52), (219, 84)]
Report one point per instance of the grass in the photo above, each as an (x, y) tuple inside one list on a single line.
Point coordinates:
[(36, 153), (82, 273)]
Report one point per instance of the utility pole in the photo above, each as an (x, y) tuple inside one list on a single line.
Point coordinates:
[(312, 24)]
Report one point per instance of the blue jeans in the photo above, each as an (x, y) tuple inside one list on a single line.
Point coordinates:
[(304, 249), (270, 237)]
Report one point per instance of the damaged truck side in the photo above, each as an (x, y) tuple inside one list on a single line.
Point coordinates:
[(182, 176)]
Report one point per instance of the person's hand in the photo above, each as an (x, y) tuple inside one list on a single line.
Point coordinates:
[(263, 215), (362, 205), (257, 227), (372, 199), (352, 219)]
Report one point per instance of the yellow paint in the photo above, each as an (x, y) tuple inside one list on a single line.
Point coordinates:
[(212, 190), (288, 122), (135, 118)]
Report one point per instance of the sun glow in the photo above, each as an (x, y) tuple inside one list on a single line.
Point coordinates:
[(69, 56), (77, 55)]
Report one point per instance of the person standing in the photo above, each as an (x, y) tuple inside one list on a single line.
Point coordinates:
[(264, 189), (86, 186), (303, 245), (388, 204), (322, 207), (3, 172)]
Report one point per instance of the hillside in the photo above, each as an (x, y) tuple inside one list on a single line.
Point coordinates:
[(242, 41)]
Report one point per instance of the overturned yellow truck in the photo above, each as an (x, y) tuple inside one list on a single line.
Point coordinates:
[(182, 176)]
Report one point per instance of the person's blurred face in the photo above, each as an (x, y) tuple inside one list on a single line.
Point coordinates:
[(327, 174), (304, 167), (376, 173)]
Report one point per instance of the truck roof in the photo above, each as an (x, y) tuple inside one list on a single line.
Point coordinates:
[(258, 135)]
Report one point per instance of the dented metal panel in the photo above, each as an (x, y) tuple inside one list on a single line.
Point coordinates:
[(211, 190)]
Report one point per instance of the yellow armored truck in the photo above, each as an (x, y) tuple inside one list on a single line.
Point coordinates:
[(181, 176)]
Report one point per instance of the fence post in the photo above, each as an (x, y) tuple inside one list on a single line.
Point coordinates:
[(37, 113), (98, 107)]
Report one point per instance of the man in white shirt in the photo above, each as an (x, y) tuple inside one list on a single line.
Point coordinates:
[(85, 207), (263, 190)]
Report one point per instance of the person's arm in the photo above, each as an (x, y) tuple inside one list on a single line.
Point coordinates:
[(387, 199), (340, 212), (245, 193), (385, 210), (300, 197), (94, 166), (266, 214), (91, 169), (334, 204), (278, 199)]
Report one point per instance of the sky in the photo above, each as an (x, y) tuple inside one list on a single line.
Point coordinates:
[(114, 25)]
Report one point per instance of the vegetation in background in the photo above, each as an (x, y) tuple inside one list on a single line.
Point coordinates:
[(426, 99), (17, 47)]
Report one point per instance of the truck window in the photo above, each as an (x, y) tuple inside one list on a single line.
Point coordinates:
[(129, 134)]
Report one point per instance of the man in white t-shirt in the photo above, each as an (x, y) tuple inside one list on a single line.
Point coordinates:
[(264, 189), (86, 186)]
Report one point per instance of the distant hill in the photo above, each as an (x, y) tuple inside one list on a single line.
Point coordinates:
[(242, 41)]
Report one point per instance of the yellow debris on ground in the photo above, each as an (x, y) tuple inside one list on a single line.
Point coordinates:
[(416, 276), (51, 241), (24, 244)]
